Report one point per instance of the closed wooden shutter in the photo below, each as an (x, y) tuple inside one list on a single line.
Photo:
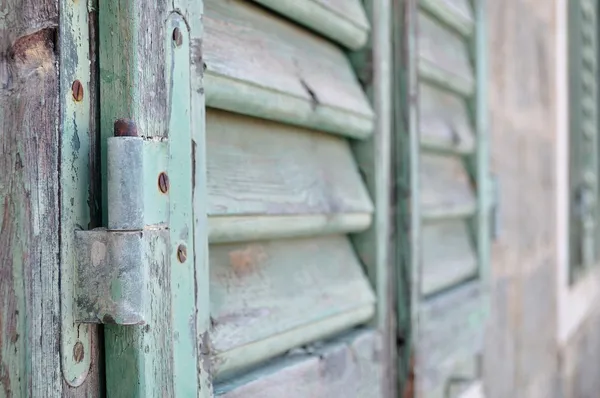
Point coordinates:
[(583, 111), (450, 179), (285, 193)]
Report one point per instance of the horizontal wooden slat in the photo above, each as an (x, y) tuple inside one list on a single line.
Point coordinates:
[(240, 229), (444, 121), (448, 256), (343, 21), (455, 13), (446, 191), (444, 57), (348, 367), (450, 334), (262, 65), (268, 297), (259, 170)]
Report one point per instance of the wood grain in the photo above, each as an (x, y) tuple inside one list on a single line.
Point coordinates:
[(261, 65), (271, 296), (29, 200), (448, 256), (342, 21), (257, 167), (444, 57), (446, 190), (346, 367), (444, 121)]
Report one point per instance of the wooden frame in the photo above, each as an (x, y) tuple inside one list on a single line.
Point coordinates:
[(576, 300)]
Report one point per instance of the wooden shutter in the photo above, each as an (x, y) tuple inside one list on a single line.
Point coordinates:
[(285, 191), (450, 178), (583, 109)]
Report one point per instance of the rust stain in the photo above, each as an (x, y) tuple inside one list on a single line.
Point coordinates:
[(247, 261)]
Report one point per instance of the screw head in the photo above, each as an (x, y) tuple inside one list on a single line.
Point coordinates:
[(78, 353), (163, 182), (177, 37), (182, 253), (77, 89)]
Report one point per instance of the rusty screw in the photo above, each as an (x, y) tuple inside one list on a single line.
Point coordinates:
[(177, 37), (163, 182), (182, 253), (78, 352), (77, 89), (125, 128)]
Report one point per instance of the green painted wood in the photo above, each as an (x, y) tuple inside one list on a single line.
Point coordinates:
[(261, 65), (228, 229), (29, 192), (455, 186), (159, 358), (406, 237), (193, 11), (455, 13), (31, 108), (257, 168), (345, 367), (373, 156), (583, 143), (446, 190), (450, 336), (448, 255), (342, 21), (181, 211), (482, 178), (271, 296), (75, 180), (444, 121), (444, 57)]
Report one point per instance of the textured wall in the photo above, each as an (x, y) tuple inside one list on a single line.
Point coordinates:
[(521, 358)]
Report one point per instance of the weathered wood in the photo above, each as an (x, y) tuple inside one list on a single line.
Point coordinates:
[(444, 121), (240, 229), (149, 82), (340, 20), (455, 13), (448, 257), (450, 336), (271, 296), (257, 167), (347, 367), (446, 191), (444, 57), (374, 66), (261, 65), (29, 200), (406, 233)]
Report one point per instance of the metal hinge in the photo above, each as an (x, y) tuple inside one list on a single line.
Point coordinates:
[(114, 262)]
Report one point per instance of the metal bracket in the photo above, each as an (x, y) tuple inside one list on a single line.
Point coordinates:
[(112, 267)]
